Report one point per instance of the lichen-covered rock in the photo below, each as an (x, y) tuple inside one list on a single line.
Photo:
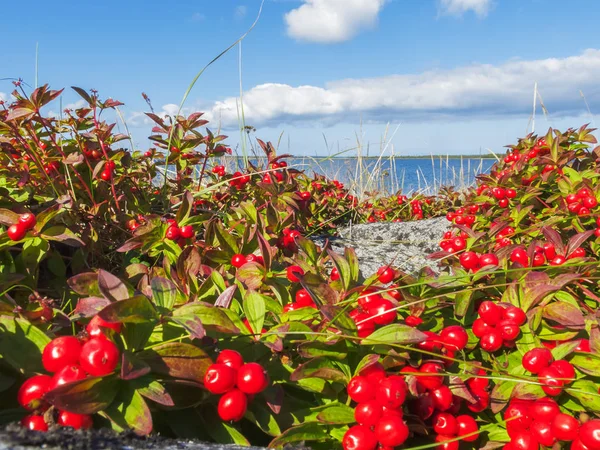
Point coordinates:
[(405, 245)]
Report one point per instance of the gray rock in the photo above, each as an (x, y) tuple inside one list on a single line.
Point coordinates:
[(401, 244)]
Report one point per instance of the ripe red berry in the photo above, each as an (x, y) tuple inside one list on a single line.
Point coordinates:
[(361, 390), (382, 311), (544, 409), (430, 378), (446, 442), (67, 374), (454, 337), (524, 440), (519, 255), (488, 259), (480, 328), (508, 329), (238, 260), (375, 373), (491, 341), (99, 357), (60, 352), (551, 381), (515, 315), (173, 233), (565, 427), (391, 431), (368, 413), (359, 437), (16, 232), (490, 312), (442, 398), (537, 359), (27, 220), (335, 274), (220, 378), (95, 326), (252, 378), (73, 420), (34, 423), (32, 390), (503, 203), (293, 272), (445, 423), (232, 405), (106, 174), (589, 434), (413, 321), (386, 274), (391, 392), (230, 358), (186, 232), (467, 425), (565, 369)]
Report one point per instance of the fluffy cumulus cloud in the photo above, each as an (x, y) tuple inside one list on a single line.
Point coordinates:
[(459, 7), (330, 21), (472, 91)]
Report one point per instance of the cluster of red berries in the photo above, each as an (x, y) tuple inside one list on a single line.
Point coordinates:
[(463, 216), (451, 339), (503, 195), (237, 382), (503, 236), (92, 154), (219, 170), (287, 241), (449, 427), (379, 413), (239, 180), (17, 231), (497, 326), (597, 230), (545, 254), (534, 423), (174, 232), (582, 202), (417, 209), (373, 310), (108, 171), (69, 359), (453, 243), (472, 261), (50, 167), (133, 224), (238, 260), (302, 300), (552, 375)]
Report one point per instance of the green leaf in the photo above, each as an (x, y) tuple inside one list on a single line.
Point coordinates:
[(305, 432), (343, 268), (251, 274), (85, 283), (564, 314), (153, 390), (164, 292), (112, 287), (85, 396), (185, 208), (210, 316), (220, 431), (21, 344), (337, 414), (136, 309), (177, 360), (60, 233), (587, 363), (335, 349), (8, 217), (131, 412), (318, 368), (395, 334), (254, 309), (586, 392)]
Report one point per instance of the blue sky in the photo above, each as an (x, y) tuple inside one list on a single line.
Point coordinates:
[(442, 76)]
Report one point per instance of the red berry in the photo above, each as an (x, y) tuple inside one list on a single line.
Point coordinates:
[(508, 329), (94, 327), (565, 369), (537, 359), (382, 311), (391, 431), (446, 442), (524, 440), (480, 328), (544, 409), (16, 232), (550, 378), (173, 233), (413, 321), (32, 390), (391, 392), (445, 423), (467, 425), (99, 357), (490, 312), (519, 255), (491, 341), (230, 358), (442, 398), (589, 434), (542, 431), (430, 379), (469, 260), (61, 352), (34, 423), (515, 315), (359, 437), (375, 373), (303, 298), (565, 427), (67, 374), (503, 203), (186, 232), (558, 260), (368, 413), (488, 259), (454, 337), (232, 405), (385, 274), (238, 260), (252, 378), (293, 272), (360, 389), (335, 274), (27, 220), (220, 378), (73, 420)]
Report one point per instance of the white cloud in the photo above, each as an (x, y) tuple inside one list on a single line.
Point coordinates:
[(332, 20), (4, 97), (460, 7), (240, 12), (472, 91)]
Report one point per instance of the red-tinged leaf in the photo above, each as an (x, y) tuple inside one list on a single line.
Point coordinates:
[(185, 393), (136, 270), (132, 367), (110, 103), (185, 208), (177, 360), (458, 388), (224, 300), (130, 412), (554, 237), (210, 316), (19, 113), (90, 306), (564, 314), (318, 368), (60, 233), (319, 290), (395, 333), (112, 287), (83, 95), (85, 283), (343, 268), (577, 240), (336, 315), (501, 394), (136, 309), (129, 245), (274, 396), (86, 396), (367, 361), (595, 340), (153, 390), (189, 263), (191, 324), (7, 217), (251, 274), (164, 292)]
